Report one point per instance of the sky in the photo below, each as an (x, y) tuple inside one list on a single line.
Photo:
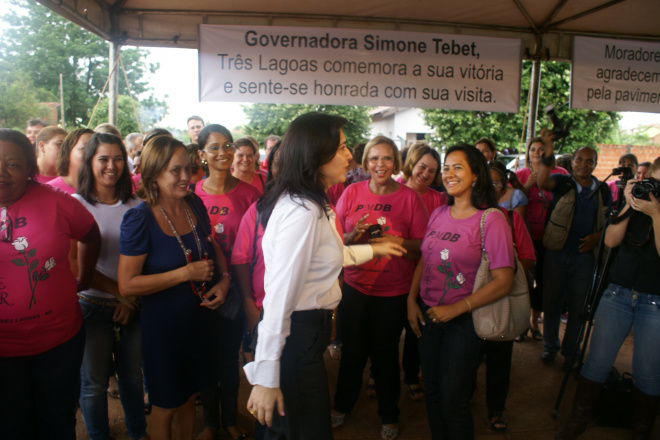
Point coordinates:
[(178, 79)]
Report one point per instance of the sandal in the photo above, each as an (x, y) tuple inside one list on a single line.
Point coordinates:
[(498, 423), (537, 335), (335, 350), (336, 420), (522, 336), (416, 392), (387, 433)]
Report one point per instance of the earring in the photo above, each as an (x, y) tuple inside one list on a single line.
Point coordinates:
[(204, 162), (474, 184), (155, 186)]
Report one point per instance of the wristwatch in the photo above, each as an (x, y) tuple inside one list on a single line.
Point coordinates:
[(548, 160)]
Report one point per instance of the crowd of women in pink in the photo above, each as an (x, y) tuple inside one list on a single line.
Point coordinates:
[(164, 275)]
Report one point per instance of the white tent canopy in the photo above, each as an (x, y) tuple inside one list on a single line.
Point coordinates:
[(546, 27)]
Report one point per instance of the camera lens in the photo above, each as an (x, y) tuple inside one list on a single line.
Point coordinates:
[(639, 191)]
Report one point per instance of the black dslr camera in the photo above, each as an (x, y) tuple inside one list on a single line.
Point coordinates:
[(644, 187), (625, 174), (558, 127)]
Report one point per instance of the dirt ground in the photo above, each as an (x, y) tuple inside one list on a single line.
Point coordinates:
[(533, 392)]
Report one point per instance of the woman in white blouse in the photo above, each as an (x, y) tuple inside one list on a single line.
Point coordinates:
[(303, 254)]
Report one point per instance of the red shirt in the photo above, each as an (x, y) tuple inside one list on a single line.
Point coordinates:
[(400, 213), (38, 303)]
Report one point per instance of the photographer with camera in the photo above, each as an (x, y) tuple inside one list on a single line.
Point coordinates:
[(632, 298), (573, 229)]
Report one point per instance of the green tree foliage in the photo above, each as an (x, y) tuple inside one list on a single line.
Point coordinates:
[(267, 119), (20, 101), (633, 137), (586, 127), (148, 111), (41, 45)]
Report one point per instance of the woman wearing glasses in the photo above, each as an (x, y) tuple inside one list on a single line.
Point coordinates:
[(372, 312), (226, 199), (41, 335), (167, 258), (537, 209)]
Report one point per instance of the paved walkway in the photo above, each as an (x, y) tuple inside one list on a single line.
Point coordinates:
[(534, 389)]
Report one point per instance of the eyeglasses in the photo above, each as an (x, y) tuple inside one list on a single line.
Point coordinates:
[(498, 185), (215, 149), (384, 159), (5, 226)]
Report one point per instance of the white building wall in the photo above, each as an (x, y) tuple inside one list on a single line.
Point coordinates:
[(401, 125)]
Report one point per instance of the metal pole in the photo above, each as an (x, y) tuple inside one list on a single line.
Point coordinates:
[(62, 103), (534, 87), (113, 85)]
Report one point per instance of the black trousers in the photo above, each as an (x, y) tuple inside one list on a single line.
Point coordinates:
[(304, 380), (536, 294), (371, 328), (498, 374), (224, 394)]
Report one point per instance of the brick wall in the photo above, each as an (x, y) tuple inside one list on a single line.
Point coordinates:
[(608, 157)]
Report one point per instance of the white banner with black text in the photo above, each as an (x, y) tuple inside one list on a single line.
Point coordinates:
[(299, 65), (615, 75)]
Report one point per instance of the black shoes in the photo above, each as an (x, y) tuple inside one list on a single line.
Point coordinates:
[(548, 356)]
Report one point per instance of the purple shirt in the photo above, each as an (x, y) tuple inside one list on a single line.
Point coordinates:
[(451, 250)]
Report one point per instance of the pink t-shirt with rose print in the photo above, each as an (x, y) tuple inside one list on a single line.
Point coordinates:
[(226, 212), (451, 250), (402, 214), (38, 303)]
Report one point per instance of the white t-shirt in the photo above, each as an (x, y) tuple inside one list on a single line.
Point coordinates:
[(109, 218)]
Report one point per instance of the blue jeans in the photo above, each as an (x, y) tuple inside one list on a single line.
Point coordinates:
[(38, 393), (621, 309), (97, 367), (450, 354), (567, 276)]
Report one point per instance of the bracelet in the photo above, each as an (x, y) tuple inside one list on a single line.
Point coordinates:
[(548, 160), (469, 305), (226, 274)]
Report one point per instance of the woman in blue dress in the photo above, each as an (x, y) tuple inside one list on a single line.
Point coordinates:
[(167, 259)]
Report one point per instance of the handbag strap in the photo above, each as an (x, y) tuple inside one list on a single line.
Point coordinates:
[(481, 226)]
